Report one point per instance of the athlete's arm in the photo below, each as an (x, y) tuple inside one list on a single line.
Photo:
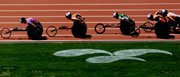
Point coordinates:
[(157, 17), (168, 16), (157, 13)]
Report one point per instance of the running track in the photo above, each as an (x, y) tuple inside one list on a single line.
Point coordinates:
[(52, 12)]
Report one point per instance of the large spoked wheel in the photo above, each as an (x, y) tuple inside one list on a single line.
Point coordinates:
[(134, 32), (6, 33), (51, 31), (175, 25), (100, 28), (125, 27), (149, 25), (34, 33), (162, 30), (176, 28), (79, 29)]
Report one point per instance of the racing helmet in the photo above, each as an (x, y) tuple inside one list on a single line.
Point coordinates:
[(23, 20), (116, 15), (164, 12), (68, 15), (150, 17)]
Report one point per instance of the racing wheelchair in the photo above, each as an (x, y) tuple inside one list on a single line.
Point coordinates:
[(162, 29), (32, 32), (147, 27), (124, 26), (100, 28), (78, 29), (175, 26)]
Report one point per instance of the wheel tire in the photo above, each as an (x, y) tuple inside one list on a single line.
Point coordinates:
[(33, 33), (125, 27), (176, 29), (51, 31), (162, 30), (175, 26), (148, 24), (134, 33), (79, 29), (7, 34), (100, 26)]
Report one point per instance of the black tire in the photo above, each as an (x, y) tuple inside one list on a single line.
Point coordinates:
[(172, 25), (34, 33), (100, 28), (6, 33), (125, 27), (162, 30), (148, 24), (79, 29), (176, 28), (134, 33), (51, 31)]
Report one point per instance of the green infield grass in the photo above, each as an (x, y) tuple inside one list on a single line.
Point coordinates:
[(38, 60)]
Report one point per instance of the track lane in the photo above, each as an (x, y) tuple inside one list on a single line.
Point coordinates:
[(110, 34), (85, 1), (72, 7)]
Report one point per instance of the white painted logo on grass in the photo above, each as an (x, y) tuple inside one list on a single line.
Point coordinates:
[(129, 54)]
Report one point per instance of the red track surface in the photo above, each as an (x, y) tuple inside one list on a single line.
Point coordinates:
[(11, 11)]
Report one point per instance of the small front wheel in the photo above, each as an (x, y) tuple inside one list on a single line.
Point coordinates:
[(51, 31), (100, 28), (149, 26), (6, 33), (134, 33)]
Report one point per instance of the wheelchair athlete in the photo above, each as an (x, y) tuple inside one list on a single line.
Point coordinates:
[(74, 17), (162, 27), (31, 22), (127, 25), (34, 28), (174, 21), (168, 16), (123, 17), (158, 16), (165, 16), (79, 27)]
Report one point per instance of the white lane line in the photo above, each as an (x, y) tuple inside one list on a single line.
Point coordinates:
[(100, 40), (80, 4), (85, 10), (69, 22), (65, 29), (70, 35), (100, 35), (64, 16)]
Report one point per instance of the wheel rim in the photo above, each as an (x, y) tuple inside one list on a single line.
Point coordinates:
[(176, 29), (51, 31), (5, 33), (148, 24), (100, 28), (136, 32)]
